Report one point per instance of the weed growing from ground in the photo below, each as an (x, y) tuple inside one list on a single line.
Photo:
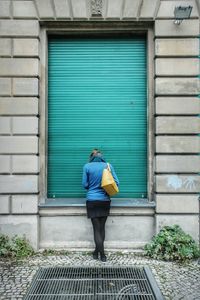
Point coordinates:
[(15, 247), (172, 244)]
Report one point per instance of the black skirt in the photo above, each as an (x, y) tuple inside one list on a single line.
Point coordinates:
[(98, 208)]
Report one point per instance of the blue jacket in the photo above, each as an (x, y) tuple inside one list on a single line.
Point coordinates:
[(92, 174)]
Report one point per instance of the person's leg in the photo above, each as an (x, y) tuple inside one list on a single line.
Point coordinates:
[(102, 226), (102, 231), (97, 234)]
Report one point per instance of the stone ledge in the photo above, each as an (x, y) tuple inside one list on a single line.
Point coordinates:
[(77, 207), (81, 211), (80, 202)]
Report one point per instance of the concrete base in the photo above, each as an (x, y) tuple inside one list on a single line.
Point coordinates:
[(122, 232), (26, 225), (129, 230)]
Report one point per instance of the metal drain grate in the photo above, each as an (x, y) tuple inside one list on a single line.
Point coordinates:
[(94, 283)]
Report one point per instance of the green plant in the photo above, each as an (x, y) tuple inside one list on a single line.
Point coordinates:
[(48, 252), (52, 252), (4, 245), (16, 247), (172, 243)]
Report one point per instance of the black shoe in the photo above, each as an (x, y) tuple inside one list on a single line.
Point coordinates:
[(95, 255), (103, 257)]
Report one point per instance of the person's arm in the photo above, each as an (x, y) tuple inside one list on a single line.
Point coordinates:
[(85, 182), (114, 175)]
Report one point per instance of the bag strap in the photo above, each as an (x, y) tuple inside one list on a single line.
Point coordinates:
[(108, 167)]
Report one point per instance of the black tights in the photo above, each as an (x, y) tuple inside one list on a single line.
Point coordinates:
[(99, 233)]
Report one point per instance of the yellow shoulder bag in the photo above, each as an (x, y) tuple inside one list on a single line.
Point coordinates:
[(108, 183)]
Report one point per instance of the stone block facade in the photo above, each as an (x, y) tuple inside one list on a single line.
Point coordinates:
[(175, 89)]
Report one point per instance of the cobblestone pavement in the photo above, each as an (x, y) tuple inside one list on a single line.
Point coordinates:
[(176, 281)]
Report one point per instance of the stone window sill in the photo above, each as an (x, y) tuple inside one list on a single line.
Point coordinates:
[(116, 202)]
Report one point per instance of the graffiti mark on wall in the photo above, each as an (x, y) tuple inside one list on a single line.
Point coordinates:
[(190, 183), (175, 182)]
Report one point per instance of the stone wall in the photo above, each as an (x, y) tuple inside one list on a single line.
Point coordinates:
[(177, 105), (19, 96)]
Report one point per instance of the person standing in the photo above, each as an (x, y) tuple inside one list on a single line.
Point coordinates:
[(98, 201)]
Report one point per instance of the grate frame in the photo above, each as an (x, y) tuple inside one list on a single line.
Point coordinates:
[(94, 283)]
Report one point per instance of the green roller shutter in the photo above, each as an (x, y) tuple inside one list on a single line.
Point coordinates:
[(97, 98)]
